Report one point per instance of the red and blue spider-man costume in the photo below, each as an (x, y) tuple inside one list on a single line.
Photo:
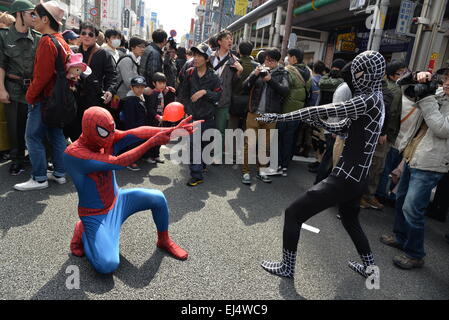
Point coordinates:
[(91, 161)]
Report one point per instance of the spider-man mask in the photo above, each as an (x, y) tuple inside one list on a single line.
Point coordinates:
[(98, 128), (368, 69)]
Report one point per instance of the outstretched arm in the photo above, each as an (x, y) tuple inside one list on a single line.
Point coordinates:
[(123, 139), (351, 109), (339, 128), (87, 161)]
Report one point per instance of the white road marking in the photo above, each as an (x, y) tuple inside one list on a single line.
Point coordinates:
[(310, 228)]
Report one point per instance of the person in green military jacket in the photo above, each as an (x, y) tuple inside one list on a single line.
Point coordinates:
[(18, 45)]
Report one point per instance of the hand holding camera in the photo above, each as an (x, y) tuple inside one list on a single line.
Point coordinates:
[(419, 84)]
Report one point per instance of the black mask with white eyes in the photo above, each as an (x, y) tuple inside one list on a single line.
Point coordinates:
[(368, 69)]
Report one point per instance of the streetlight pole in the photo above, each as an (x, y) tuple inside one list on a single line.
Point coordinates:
[(288, 28), (221, 15)]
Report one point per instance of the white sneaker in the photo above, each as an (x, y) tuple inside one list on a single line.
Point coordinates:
[(31, 185), (151, 160), (270, 172), (61, 180)]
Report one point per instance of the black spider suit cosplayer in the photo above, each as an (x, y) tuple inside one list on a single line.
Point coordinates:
[(363, 118)]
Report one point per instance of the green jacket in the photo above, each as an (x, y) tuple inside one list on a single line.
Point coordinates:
[(394, 121), (17, 53), (298, 87), (248, 65)]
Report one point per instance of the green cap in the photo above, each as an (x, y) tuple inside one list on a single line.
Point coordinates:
[(21, 5)]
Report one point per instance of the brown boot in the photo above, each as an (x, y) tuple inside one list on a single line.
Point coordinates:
[(364, 204), (374, 203), (390, 241), (405, 262)]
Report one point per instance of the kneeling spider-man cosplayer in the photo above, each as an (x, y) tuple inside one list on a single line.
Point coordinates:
[(91, 161)]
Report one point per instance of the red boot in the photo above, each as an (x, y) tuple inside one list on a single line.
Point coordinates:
[(76, 245), (164, 242)]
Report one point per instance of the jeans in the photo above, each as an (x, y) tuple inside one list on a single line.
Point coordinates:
[(412, 199), (392, 160), (287, 131), (196, 169), (35, 134)]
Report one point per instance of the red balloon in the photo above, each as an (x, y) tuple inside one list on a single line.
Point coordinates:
[(173, 112)]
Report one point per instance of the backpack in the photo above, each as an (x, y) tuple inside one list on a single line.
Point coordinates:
[(115, 102), (60, 108)]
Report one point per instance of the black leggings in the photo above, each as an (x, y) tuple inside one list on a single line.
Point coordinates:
[(330, 192)]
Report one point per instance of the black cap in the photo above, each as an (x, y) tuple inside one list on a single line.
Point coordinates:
[(138, 81), (338, 63), (202, 48)]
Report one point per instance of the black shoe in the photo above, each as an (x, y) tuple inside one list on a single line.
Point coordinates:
[(434, 214), (316, 164), (15, 169), (193, 182), (313, 170), (4, 156)]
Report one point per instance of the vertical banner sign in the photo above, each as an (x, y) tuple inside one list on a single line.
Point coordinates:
[(126, 19), (405, 17), (240, 7), (104, 9)]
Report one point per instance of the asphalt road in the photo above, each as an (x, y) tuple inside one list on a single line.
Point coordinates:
[(228, 229)]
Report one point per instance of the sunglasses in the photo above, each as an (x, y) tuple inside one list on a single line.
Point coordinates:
[(32, 14), (90, 34)]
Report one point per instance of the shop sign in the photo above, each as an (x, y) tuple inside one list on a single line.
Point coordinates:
[(346, 42), (264, 21)]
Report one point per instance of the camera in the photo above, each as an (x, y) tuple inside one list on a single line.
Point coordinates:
[(264, 72), (172, 42), (416, 90)]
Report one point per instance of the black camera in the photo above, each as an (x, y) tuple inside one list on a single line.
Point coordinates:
[(264, 72), (172, 43), (416, 90)]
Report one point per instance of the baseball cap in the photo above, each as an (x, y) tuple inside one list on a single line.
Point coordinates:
[(203, 49), (138, 81), (69, 35)]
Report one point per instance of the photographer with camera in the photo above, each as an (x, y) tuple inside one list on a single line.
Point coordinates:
[(425, 149), (268, 87)]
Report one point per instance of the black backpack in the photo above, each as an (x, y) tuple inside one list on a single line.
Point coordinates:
[(60, 109)]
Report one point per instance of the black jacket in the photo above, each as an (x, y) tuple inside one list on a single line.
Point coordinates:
[(104, 77), (134, 112), (204, 108), (151, 62), (277, 90)]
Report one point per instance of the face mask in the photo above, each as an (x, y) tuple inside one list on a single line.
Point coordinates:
[(116, 43)]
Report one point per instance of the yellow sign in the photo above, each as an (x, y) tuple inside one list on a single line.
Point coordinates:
[(241, 7), (346, 42)]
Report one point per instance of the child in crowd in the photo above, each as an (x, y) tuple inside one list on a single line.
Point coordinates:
[(155, 106), (134, 112)]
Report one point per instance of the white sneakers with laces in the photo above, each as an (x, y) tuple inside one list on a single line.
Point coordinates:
[(31, 185)]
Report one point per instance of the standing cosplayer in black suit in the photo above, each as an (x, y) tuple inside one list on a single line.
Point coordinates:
[(363, 118)]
